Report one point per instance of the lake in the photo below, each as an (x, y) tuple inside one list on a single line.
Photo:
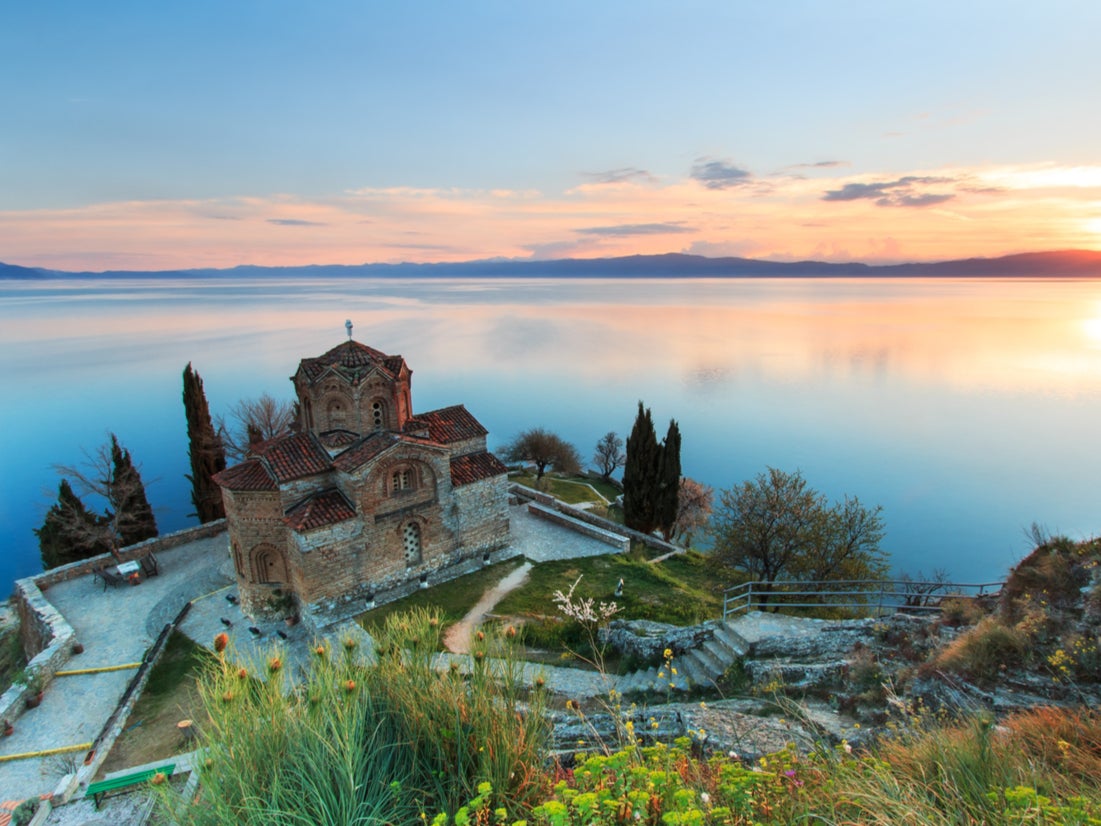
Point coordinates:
[(968, 409)]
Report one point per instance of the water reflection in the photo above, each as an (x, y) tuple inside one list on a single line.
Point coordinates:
[(964, 407)]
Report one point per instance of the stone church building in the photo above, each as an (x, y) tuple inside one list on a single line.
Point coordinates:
[(367, 500)]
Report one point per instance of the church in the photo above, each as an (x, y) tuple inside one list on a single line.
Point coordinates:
[(366, 501)]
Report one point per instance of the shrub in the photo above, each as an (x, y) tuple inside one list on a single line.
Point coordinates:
[(983, 651), (366, 742)]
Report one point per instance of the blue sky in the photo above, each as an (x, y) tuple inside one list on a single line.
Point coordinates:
[(145, 135)]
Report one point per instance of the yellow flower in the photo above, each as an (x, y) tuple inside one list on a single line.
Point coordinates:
[(667, 653)]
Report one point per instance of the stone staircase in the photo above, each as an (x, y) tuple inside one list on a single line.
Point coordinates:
[(699, 666)]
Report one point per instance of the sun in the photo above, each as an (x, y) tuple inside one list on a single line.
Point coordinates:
[(1093, 225)]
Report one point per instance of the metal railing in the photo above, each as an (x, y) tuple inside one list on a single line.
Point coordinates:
[(868, 597)]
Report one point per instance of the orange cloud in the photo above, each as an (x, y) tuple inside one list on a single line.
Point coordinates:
[(833, 215)]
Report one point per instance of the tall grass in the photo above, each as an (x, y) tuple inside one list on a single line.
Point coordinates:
[(367, 740)]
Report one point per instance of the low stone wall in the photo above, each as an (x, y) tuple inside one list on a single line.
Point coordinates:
[(47, 639), (592, 519), (83, 567), (324, 614), (621, 543)]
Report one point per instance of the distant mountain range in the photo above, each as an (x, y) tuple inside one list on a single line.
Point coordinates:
[(1063, 263)]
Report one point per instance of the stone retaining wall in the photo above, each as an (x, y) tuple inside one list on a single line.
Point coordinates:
[(82, 567), (48, 640), (591, 518), (621, 543)]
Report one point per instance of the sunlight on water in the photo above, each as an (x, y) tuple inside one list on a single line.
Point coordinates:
[(965, 408)]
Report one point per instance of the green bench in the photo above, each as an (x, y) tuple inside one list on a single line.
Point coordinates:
[(100, 788)]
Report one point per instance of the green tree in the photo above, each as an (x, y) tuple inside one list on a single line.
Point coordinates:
[(666, 501), (543, 449), (70, 531), (640, 474), (204, 449), (110, 475), (133, 515), (778, 528)]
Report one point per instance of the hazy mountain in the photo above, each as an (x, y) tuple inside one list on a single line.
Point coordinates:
[(1064, 263)]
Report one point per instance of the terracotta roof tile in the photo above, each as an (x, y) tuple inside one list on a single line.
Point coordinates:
[(249, 475), (474, 467), (321, 509), (363, 451), (295, 456), (450, 424), (334, 439)]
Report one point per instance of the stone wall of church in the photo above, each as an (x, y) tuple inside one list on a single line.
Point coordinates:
[(255, 519), (475, 444), (483, 509)]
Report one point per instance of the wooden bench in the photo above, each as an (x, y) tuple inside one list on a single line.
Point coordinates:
[(98, 790), (108, 576)]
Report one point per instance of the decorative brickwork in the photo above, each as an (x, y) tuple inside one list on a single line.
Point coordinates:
[(367, 501)]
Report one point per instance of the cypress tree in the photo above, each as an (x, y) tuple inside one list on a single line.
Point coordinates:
[(134, 518), (640, 474), (668, 481), (70, 531), (204, 449)]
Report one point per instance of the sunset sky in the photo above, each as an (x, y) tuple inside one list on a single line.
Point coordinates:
[(212, 133)]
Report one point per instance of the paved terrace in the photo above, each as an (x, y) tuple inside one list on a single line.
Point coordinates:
[(117, 626)]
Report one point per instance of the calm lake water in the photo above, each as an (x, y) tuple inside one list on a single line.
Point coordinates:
[(967, 409)]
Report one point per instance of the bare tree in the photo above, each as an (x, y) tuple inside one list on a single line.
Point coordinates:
[(109, 474), (609, 455), (694, 503), (255, 420), (543, 449)]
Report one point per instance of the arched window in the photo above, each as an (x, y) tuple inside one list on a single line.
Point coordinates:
[(411, 537), (337, 411), (268, 566), (378, 415), (401, 480)]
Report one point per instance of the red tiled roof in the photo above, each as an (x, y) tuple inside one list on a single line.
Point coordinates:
[(333, 439), (450, 424), (248, 475), (364, 451), (474, 467), (321, 509), (352, 359), (295, 456)]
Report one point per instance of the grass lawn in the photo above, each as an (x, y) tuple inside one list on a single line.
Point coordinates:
[(680, 590), (452, 599), (573, 489), (170, 696)]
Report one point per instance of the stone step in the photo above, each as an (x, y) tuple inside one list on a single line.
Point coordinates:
[(693, 668), (713, 664), (723, 654), (729, 636)]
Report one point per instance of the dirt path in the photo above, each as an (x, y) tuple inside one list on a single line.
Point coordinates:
[(457, 637)]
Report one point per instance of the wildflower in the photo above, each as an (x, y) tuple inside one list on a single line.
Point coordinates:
[(479, 655), (705, 798), (733, 755), (349, 643), (510, 632), (480, 636), (350, 686), (242, 673), (845, 745), (158, 779), (433, 622), (320, 651), (703, 705), (540, 682), (227, 697), (454, 666), (221, 641), (274, 664), (667, 653)]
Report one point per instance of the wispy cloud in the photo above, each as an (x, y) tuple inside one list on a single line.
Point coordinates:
[(902, 192), (295, 222), (625, 174), (820, 165), (715, 174), (624, 230)]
